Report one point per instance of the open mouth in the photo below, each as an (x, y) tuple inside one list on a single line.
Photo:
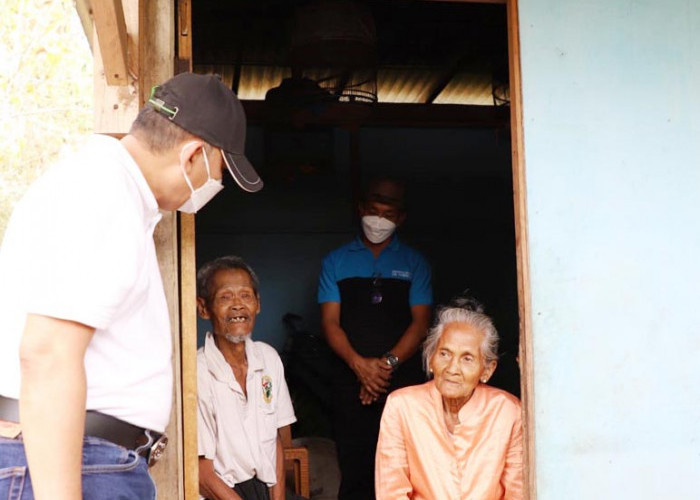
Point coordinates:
[(237, 319)]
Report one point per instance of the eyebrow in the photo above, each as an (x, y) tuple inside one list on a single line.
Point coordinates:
[(462, 353)]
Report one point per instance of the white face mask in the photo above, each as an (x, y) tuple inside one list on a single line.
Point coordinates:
[(377, 229), (204, 193)]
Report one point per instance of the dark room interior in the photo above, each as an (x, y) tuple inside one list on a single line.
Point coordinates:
[(414, 90)]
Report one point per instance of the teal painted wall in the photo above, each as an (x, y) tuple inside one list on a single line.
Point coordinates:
[(612, 152)]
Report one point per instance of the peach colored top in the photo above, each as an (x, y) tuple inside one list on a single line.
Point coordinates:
[(417, 458)]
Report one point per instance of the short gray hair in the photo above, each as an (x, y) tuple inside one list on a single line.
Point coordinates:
[(208, 270), (462, 311), (159, 134)]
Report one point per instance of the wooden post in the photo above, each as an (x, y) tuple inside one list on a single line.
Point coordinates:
[(188, 291), (156, 54), (521, 251)]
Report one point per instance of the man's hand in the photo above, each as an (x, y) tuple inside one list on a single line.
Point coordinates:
[(211, 485), (365, 397), (374, 374)]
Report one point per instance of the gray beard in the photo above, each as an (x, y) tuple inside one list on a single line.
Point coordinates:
[(236, 339)]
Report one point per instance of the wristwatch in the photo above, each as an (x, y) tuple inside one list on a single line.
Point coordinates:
[(391, 360)]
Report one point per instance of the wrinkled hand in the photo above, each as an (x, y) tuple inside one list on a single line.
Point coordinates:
[(374, 375)]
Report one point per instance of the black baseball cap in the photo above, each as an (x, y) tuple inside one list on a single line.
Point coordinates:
[(205, 107)]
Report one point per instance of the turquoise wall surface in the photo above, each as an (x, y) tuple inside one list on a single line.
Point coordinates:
[(612, 151)]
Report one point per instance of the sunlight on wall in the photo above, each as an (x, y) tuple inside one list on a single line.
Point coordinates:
[(46, 91)]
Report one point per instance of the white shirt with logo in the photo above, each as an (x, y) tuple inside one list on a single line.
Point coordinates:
[(240, 434)]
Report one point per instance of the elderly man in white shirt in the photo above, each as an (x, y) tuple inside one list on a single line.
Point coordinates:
[(244, 403)]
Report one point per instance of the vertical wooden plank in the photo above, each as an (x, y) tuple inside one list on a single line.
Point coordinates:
[(168, 472), (157, 51), (521, 250), (158, 44), (188, 291), (184, 32)]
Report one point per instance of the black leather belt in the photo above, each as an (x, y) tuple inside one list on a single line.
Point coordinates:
[(145, 442)]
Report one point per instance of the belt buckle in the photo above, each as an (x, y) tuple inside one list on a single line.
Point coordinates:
[(154, 448), (157, 450)]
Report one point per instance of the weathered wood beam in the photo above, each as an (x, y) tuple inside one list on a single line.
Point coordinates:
[(82, 7), (111, 36), (116, 106), (393, 115)]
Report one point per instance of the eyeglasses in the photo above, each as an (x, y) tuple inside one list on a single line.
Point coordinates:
[(376, 295)]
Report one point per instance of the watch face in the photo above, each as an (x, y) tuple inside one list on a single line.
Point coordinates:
[(392, 360)]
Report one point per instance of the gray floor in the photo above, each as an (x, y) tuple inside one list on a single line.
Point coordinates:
[(323, 467)]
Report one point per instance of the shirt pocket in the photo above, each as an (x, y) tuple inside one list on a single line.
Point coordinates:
[(268, 421)]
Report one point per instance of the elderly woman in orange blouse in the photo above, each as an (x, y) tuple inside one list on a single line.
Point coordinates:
[(453, 437)]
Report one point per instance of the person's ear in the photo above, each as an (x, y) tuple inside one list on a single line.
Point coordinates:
[(187, 152), (258, 311), (202, 308), (488, 371)]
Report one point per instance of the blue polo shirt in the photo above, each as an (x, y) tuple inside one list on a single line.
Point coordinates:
[(396, 262)]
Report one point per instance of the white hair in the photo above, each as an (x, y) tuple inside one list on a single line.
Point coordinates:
[(462, 311), (236, 339)]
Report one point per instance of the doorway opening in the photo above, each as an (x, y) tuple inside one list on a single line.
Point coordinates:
[(440, 118)]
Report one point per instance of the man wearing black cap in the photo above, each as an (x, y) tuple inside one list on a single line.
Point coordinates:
[(375, 298), (85, 351)]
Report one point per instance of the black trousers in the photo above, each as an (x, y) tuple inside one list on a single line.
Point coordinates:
[(252, 489), (356, 428)]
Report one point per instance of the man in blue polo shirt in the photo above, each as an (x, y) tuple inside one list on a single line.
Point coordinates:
[(375, 298)]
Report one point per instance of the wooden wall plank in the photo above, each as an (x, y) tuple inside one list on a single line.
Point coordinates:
[(156, 54), (184, 27), (167, 473), (521, 251), (111, 28)]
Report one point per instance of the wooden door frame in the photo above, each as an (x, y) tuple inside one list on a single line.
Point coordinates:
[(188, 289), (525, 358), (188, 265)]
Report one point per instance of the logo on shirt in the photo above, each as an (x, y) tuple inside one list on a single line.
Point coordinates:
[(267, 388), (406, 275)]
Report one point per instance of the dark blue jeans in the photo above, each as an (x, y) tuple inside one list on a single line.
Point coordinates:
[(110, 472)]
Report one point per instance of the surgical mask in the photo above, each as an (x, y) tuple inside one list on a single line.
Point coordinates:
[(203, 194), (377, 229)]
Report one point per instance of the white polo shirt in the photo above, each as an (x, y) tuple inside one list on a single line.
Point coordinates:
[(240, 434), (80, 247)]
